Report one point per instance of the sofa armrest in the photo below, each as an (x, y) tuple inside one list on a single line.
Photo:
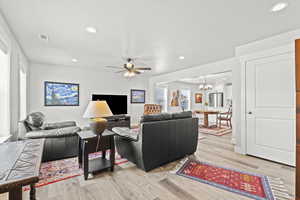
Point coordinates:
[(53, 133), (22, 130), (56, 125), (127, 133)]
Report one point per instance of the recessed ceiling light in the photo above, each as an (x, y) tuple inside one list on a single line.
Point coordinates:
[(74, 60), (44, 37), (181, 57), (279, 6), (91, 29)]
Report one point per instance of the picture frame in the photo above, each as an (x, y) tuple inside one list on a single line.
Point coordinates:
[(198, 97), (137, 96), (175, 95), (61, 94)]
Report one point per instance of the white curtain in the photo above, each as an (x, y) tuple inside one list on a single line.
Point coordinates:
[(161, 98), (23, 91), (4, 91)]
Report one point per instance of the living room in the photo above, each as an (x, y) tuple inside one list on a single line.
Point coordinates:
[(132, 100)]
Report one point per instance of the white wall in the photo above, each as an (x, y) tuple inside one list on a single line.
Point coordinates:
[(276, 45), (270, 46), (16, 57), (91, 82), (231, 64), (177, 85)]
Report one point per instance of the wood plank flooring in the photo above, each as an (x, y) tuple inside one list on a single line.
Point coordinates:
[(130, 183)]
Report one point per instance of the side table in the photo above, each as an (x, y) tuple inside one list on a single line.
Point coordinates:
[(88, 144), (20, 166)]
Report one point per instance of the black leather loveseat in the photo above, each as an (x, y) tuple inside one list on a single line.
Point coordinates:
[(61, 139), (162, 138)]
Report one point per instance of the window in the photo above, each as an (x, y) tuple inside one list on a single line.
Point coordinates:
[(161, 98), (23, 91), (4, 91)]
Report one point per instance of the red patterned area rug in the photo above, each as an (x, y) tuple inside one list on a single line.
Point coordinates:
[(59, 170), (217, 131), (247, 184)]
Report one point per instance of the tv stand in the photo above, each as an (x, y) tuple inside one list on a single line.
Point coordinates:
[(118, 121)]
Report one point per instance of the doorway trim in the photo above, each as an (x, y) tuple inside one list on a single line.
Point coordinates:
[(290, 48)]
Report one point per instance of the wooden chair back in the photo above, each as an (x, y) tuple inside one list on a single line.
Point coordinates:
[(152, 109)]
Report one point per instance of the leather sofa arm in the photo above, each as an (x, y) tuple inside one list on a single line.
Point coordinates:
[(57, 125), (22, 130), (126, 133)]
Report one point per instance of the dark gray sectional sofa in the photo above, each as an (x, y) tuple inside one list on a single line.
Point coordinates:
[(161, 139)]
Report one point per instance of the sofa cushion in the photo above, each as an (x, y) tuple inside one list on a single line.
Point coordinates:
[(156, 117), (35, 120), (61, 132), (182, 115)]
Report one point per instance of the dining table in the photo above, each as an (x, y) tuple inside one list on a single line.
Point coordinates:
[(206, 113)]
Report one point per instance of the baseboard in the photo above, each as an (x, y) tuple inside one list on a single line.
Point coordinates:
[(233, 141), (239, 150), (4, 138)]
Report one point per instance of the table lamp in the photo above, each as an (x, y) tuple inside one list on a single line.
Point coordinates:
[(95, 111)]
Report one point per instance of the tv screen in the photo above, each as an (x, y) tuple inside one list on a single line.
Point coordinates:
[(117, 103)]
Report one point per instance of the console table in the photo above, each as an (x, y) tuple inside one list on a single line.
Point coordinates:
[(20, 166), (118, 121), (88, 144)]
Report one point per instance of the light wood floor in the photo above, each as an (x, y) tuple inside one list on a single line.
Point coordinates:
[(130, 183)]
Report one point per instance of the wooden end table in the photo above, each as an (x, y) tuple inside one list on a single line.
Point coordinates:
[(20, 166), (88, 144)]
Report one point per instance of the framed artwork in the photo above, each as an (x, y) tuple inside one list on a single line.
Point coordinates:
[(137, 96), (185, 99), (61, 94), (198, 97), (175, 98)]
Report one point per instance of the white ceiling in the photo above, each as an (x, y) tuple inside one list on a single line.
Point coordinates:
[(158, 30)]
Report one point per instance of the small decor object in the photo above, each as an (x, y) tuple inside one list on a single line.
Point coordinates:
[(198, 97), (137, 96), (175, 99), (61, 94), (95, 111), (251, 185)]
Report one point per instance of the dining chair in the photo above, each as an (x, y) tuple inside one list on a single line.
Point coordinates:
[(225, 116)]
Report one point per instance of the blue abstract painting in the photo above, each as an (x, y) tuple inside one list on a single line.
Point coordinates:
[(61, 94)]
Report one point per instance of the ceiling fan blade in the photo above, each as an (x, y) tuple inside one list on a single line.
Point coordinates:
[(114, 67), (121, 71), (137, 72), (142, 68)]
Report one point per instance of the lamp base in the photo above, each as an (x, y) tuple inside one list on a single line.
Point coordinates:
[(98, 125)]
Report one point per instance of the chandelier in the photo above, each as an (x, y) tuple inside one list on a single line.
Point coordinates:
[(204, 86)]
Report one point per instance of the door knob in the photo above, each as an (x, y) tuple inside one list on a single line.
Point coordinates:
[(250, 113)]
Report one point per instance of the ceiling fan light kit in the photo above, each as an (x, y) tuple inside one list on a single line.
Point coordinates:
[(129, 69)]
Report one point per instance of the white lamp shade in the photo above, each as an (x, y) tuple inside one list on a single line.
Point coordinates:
[(97, 109)]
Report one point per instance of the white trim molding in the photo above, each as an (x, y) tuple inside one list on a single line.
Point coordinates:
[(243, 61)]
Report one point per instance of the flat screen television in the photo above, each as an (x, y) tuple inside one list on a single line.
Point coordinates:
[(117, 103)]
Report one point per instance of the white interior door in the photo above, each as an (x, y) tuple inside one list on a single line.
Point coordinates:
[(270, 97)]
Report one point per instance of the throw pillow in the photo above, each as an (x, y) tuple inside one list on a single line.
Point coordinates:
[(35, 120)]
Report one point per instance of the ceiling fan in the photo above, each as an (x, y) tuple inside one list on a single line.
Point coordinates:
[(129, 68)]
